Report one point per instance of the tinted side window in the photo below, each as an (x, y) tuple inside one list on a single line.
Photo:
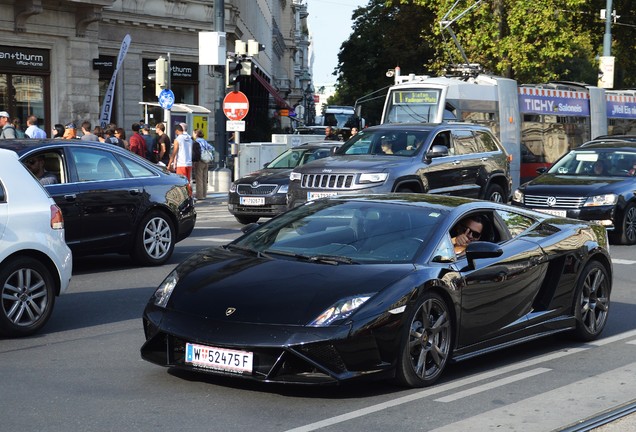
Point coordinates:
[(515, 222), (486, 141), (2, 193), (96, 165), (136, 169), (465, 143)]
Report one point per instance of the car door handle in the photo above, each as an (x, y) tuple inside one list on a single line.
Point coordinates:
[(484, 159), (70, 197), (134, 191), (456, 162)]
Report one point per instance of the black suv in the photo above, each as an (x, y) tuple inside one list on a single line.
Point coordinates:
[(460, 159)]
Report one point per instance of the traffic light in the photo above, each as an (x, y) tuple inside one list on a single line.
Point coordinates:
[(246, 67), (232, 71), (160, 77)]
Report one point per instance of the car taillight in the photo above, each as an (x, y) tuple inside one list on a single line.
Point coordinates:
[(57, 220)]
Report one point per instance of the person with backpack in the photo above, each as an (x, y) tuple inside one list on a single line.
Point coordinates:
[(202, 155), (8, 130)]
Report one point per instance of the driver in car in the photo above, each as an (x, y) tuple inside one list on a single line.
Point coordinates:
[(466, 231)]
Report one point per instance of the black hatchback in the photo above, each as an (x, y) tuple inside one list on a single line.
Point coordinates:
[(594, 182), (113, 201)]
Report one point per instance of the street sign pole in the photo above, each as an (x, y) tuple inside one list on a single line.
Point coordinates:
[(167, 113), (235, 107)]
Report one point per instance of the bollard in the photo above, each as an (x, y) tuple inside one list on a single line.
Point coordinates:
[(212, 179), (223, 180)]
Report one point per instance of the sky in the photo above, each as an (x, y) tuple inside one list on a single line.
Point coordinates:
[(330, 24)]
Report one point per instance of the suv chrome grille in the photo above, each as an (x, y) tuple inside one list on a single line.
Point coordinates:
[(561, 202), (327, 181), (262, 189)]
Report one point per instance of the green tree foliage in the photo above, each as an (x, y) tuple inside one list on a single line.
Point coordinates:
[(528, 40), (532, 41), (385, 34)]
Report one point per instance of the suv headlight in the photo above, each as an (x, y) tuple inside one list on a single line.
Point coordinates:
[(517, 196), (233, 187), (373, 177), (601, 200), (283, 188), (295, 176)]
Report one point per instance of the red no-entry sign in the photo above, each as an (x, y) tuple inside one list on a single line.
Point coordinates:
[(235, 105)]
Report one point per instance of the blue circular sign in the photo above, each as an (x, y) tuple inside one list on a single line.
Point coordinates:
[(166, 99)]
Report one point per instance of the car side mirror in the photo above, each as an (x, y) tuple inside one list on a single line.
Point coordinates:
[(480, 250), (541, 170), (437, 150)]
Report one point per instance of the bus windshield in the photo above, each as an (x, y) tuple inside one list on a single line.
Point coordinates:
[(412, 105)]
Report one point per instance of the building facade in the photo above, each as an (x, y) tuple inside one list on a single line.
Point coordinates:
[(57, 58)]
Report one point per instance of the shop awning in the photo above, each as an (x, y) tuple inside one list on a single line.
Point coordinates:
[(277, 97)]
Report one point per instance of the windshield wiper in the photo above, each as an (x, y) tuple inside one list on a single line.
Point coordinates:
[(331, 259), (325, 259), (247, 249)]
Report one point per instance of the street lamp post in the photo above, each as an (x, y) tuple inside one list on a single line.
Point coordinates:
[(305, 88), (309, 105)]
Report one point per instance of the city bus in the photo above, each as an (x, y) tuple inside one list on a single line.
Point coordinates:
[(536, 123)]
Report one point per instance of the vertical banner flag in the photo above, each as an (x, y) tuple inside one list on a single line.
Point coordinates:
[(107, 106)]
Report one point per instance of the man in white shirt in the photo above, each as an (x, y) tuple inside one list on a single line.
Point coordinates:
[(181, 157), (33, 131)]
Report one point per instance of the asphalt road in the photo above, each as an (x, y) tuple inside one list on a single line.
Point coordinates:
[(84, 371)]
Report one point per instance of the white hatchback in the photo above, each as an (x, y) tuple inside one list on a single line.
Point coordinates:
[(35, 262)]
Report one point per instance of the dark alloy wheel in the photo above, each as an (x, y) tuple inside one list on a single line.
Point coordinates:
[(592, 301), (246, 219), (426, 348), (495, 193), (27, 294), (155, 239), (627, 229)]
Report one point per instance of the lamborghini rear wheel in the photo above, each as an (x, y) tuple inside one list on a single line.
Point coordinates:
[(592, 301)]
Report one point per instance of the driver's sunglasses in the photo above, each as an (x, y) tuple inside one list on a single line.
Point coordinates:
[(31, 162), (474, 234)]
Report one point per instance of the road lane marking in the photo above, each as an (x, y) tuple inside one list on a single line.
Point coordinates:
[(434, 390), (494, 384), (456, 384), (555, 409), (622, 261), (614, 338)]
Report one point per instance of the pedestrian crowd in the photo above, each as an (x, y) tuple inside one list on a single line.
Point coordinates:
[(187, 155)]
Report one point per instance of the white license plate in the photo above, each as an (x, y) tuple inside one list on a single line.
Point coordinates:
[(219, 358), (318, 195), (559, 213), (252, 201)]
